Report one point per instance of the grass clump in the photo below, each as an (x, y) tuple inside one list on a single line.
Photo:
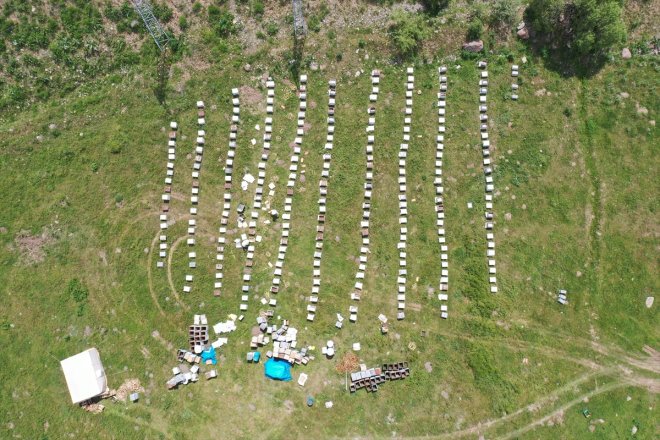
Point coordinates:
[(76, 291)]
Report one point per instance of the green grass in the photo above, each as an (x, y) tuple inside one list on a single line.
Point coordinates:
[(93, 186)]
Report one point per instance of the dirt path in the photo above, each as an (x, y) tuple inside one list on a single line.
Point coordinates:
[(154, 296), (532, 407), (538, 422), (169, 271), (629, 369), (138, 421)]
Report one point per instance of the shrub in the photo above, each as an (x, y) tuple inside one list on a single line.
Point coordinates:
[(197, 8), (80, 21), (183, 23), (258, 8), (79, 293), (588, 28), (407, 32), (475, 29), (272, 28), (222, 22), (162, 12), (434, 7), (503, 15)]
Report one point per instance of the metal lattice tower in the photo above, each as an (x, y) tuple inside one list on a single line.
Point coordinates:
[(151, 22), (299, 24)]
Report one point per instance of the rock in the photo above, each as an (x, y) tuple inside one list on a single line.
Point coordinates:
[(523, 33), (247, 68), (507, 216), (624, 95), (314, 66), (52, 126), (40, 138), (428, 367), (523, 60), (444, 394), (134, 24), (474, 46), (626, 54), (649, 301), (633, 431)]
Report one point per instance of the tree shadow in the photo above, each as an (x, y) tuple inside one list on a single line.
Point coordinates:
[(162, 77), (562, 61), (558, 57)]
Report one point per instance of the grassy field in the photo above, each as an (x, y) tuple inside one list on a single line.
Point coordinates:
[(576, 208)]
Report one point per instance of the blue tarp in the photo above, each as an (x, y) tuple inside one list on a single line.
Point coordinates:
[(277, 369), (209, 355)]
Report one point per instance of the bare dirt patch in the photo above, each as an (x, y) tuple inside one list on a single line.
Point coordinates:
[(128, 387), (288, 406), (32, 247), (251, 97)]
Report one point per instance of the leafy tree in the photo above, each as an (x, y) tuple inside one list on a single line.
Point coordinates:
[(407, 32), (589, 28), (434, 7)]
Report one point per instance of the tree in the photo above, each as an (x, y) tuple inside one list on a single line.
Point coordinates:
[(589, 28), (407, 32)]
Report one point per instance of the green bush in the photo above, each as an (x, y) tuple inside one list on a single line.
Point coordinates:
[(80, 21), (407, 32), (434, 7), (503, 15), (475, 29), (79, 293), (197, 8), (272, 28), (587, 28), (162, 12), (222, 21), (258, 8), (183, 23)]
